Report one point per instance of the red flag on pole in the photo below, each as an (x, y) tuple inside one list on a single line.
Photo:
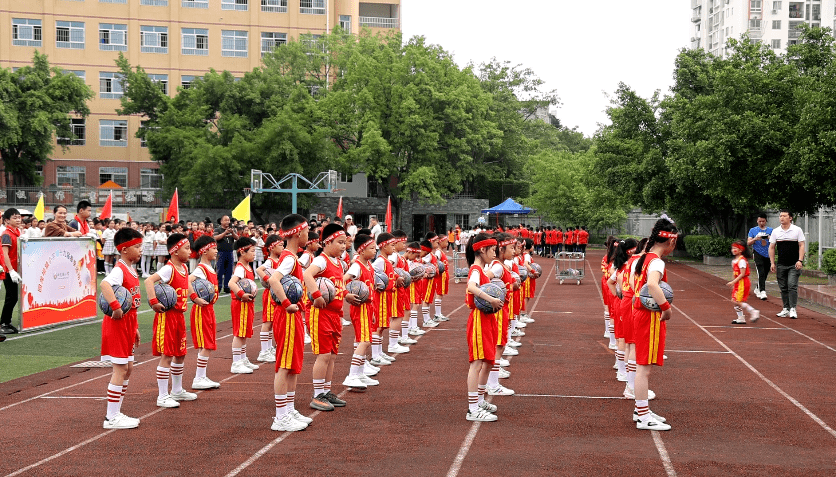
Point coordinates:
[(173, 213), (107, 210), (129, 218), (389, 215), (340, 208)]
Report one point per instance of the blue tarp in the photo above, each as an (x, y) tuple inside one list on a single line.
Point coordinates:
[(510, 206)]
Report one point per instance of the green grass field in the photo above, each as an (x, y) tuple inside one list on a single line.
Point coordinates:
[(33, 354)]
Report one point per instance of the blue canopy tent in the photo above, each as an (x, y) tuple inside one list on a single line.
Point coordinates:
[(509, 207)]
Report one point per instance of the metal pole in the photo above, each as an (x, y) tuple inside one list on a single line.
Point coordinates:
[(294, 191), (821, 223)]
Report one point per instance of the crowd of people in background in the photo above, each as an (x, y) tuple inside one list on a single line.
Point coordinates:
[(548, 240)]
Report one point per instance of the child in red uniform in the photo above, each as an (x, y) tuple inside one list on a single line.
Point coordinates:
[(440, 279), (120, 332), (609, 332), (530, 285), (275, 247), (242, 306), (430, 261), (619, 261), (399, 333), (628, 284), (417, 289), (741, 287), (501, 268), (482, 329), (325, 319), (387, 300), (362, 315), (169, 340), (203, 313), (649, 326), (288, 328), (311, 248)]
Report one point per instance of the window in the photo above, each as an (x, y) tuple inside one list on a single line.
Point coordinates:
[(754, 24), (26, 32), (118, 175), (463, 220), (113, 37), (74, 176), (80, 73), (346, 177), (345, 23), (275, 6), (311, 42), (69, 35), (162, 81), (816, 12), (270, 40), (312, 7), (776, 24), (234, 43), (195, 4), (776, 5), (776, 44), (186, 81), (756, 5), (110, 85), (234, 5), (195, 41), (79, 129), (796, 10), (153, 39), (794, 31), (150, 179), (113, 133), (154, 3), (113, 1)]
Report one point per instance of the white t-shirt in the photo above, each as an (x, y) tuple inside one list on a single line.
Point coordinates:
[(352, 230), (497, 269), (376, 230), (199, 273), (165, 273), (116, 277), (474, 277), (656, 265), (240, 272), (741, 264), (305, 260), (793, 233), (380, 264), (286, 266), (160, 237), (394, 258), (322, 262), (354, 270), (108, 234), (149, 237)]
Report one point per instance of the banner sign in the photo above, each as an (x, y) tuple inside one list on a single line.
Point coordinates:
[(58, 281)]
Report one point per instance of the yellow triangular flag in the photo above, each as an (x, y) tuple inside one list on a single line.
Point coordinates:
[(242, 210), (39, 209)]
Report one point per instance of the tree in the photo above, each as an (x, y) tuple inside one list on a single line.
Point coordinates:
[(35, 106)]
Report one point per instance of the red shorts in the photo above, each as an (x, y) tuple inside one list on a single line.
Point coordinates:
[(118, 337), (605, 292), (615, 316), (387, 307), (503, 322), (169, 336), (403, 302), (649, 333), (363, 321), (444, 284), (289, 332), (269, 309), (741, 290), (481, 337), (626, 315), (326, 328), (416, 291), (429, 291), (517, 302), (203, 327), (242, 318)]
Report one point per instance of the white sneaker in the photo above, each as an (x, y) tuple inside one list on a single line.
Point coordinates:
[(521, 324), (397, 349), (430, 324), (628, 392), (515, 344), (783, 313), (120, 421), (500, 390), (441, 318), (652, 415), (504, 373), (307, 338), (379, 361), (621, 377), (385, 356), (204, 383), (793, 314), (526, 319), (615, 365), (415, 331), (287, 424), (652, 425), (406, 340), (503, 362), (300, 417), (515, 333), (239, 367), (613, 345), (753, 317), (486, 406), (354, 382), (166, 401), (481, 416), (763, 295), (248, 364), (509, 351), (370, 369), (183, 395), (266, 356), (346, 322), (368, 381)]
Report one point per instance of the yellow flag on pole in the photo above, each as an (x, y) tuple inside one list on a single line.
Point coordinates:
[(242, 210), (39, 209)]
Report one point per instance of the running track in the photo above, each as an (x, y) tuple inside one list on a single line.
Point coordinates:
[(753, 400)]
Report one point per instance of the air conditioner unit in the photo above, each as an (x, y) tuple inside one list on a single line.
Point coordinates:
[(774, 12)]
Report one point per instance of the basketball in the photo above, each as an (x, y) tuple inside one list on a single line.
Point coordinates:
[(461, 272), (517, 278), (441, 267), (523, 274), (292, 290), (356, 287), (407, 278), (491, 289), (165, 295), (204, 289), (381, 281), (326, 287), (248, 286), (648, 301), (416, 270), (122, 296), (538, 270), (430, 270), (267, 273)]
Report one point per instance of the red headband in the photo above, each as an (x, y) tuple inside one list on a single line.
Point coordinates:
[(411, 249), (738, 246), (245, 248), (484, 243), (631, 250), (206, 248), (391, 241), (665, 234), (505, 243), (402, 239), (435, 239), (363, 247), (310, 242), (274, 244), (177, 246), (129, 243), (334, 236), (426, 249), (294, 230)]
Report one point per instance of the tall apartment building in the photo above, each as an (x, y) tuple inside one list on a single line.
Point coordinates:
[(175, 41), (773, 22)]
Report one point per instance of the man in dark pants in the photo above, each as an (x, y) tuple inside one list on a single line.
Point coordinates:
[(788, 241), (226, 236), (759, 241), (11, 217)]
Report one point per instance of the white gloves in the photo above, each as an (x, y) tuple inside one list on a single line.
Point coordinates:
[(14, 276)]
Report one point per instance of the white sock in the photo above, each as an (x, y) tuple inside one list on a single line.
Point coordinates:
[(108, 267), (472, 401), (493, 377), (318, 387), (291, 396), (202, 362), (176, 377), (739, 312), (265, 340), (236, 354), (438, 306), (162, 380), (377, 346), (481, 393), (631, 373), (643, 409), (393, 336), (413, 319), (612, 333), (124, 390), (281, 405), (114, 398), (620, 361), (244, 351), (425, 310), (357, 362)]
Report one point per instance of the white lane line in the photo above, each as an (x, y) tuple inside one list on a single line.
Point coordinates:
[(770, 319), (471, 435), (746, 327), (774, 386), (155, 358), (95, 398), (694, 351), (657, 439), (568, 397)]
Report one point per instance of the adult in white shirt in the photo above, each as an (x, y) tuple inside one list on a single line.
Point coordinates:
[(788, 240), (375, 226), (350, 227)]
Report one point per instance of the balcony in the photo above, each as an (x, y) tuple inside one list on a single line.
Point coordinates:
[(379, 15), (379, 22)]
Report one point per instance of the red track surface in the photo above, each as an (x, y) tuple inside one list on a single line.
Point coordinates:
[(753, 400)]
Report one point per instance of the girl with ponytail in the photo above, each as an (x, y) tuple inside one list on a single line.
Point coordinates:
[(621, 252), (609, 332)]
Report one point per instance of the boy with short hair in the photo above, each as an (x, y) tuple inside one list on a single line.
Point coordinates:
[(120, 332), (269, 309), (443, 282), (399, 332), (387, 300), (242, 306), (416, 289), (429, 261), (169, 339), (203, 313), (362, 314)]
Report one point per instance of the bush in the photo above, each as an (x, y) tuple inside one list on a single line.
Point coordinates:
[(712, 245), (828, 261), (695, 244), (812, 255)]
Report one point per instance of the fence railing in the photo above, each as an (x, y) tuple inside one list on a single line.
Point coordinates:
[(378, 22), (64, 195)]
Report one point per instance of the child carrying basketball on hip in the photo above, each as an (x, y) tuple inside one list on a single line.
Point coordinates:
[(417, 289), (169, 340), (269, 309), (399, 339), (387, 300), (430, 262), (242, 306), (203, 312), (120, 331), (363, 315), (741, 286)]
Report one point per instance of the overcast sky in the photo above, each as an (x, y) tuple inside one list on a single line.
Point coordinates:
[(580, 48)]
